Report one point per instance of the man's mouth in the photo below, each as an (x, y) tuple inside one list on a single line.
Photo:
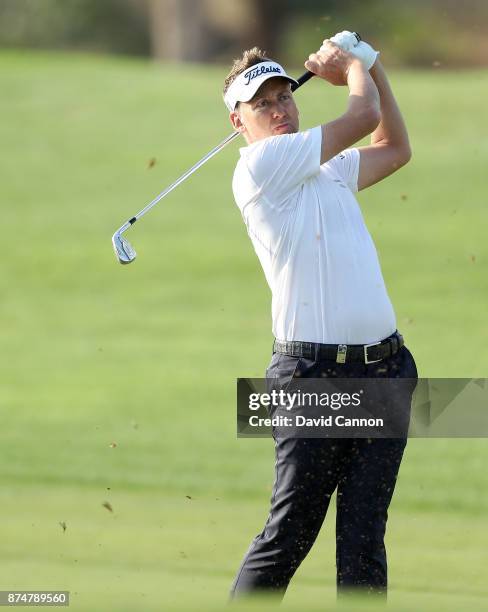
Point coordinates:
[(281, 127)]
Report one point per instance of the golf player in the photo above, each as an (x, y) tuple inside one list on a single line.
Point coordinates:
[(331, 312)]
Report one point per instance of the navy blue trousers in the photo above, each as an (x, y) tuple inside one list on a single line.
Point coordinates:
[(307, 472)]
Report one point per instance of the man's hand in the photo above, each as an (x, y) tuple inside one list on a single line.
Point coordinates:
[(346, 40), (349, 41), (366, 54), (331, 63)]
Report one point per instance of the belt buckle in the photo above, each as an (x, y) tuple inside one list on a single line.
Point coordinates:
[(365, 348), (341, 353)]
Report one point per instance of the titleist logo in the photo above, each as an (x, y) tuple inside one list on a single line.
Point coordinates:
[(257, 71)]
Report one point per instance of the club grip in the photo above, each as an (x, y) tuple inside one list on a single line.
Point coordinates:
[(306, 76)]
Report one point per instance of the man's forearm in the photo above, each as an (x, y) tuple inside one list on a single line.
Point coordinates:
[(363, 112), (391, 129), (363, 92)]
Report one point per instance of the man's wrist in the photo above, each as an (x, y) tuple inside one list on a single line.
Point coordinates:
[(355, 65), (376, 68)]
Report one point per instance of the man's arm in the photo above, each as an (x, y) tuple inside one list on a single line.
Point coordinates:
[(389, 149), (363, 113)]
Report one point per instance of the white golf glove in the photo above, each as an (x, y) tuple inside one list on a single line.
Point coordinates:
[(365, 53), (350, 41), (346, 40)]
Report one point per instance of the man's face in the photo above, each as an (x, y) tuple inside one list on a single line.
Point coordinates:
[(271, 112)]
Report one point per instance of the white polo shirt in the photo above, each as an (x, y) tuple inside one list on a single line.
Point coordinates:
[(309, 234)]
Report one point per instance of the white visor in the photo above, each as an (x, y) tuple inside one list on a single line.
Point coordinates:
[(246, 84)]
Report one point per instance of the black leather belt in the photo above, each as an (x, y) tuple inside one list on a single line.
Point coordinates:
[(342, 353)]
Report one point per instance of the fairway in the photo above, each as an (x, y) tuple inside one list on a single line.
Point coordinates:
[(118, 382)]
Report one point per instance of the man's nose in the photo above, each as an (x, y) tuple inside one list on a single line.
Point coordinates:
[(278, 109)]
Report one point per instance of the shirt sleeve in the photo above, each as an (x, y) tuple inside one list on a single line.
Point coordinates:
[(281, 164), (346, 166)]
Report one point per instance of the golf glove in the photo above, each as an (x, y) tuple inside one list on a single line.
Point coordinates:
[(349, 42), (365, 53), (345, 40)]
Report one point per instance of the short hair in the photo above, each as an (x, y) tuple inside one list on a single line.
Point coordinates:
[(249, 58)]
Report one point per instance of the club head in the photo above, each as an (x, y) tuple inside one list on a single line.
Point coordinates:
[(124, 251)]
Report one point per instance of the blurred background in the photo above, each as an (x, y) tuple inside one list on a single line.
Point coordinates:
[(416, 33), (121, 477)]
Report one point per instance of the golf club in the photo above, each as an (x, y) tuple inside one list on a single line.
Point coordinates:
[(123, 249)]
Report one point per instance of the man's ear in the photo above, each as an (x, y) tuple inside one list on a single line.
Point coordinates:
[(235, 119)]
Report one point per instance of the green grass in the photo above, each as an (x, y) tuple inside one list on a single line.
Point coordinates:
[(146, 356)]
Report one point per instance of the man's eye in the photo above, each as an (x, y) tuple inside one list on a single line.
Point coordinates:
[(285, 96), (261, 103)]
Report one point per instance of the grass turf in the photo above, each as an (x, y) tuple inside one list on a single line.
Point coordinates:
[(118, 383)]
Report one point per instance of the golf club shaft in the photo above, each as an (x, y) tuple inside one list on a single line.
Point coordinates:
[(301, 80), (183, 177)]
